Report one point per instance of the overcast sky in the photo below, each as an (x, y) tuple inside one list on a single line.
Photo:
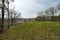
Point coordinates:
[(29, 8)]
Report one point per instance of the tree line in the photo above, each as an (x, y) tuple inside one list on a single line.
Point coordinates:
[(11, 14), (50, 14)]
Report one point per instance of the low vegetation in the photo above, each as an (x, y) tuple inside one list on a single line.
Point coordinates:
[(33, 31)]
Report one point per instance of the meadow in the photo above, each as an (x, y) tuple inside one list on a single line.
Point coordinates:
[(33, 31)]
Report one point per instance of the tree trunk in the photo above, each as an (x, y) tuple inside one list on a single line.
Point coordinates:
[(2, 17), (8, 14)]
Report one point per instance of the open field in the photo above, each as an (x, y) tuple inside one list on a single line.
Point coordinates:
[(33, 31)]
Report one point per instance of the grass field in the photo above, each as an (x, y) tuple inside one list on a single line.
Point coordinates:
[(33, 31)]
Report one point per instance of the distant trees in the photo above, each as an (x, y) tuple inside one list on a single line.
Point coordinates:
[(49, 14), (41, 16), (52, 11)]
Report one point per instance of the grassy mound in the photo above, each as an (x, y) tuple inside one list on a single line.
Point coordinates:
[(33, 31)]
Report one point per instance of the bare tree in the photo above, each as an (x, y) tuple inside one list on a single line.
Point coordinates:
[(52, 11), (48, 16), (8, 10), (17, 15), (47, 12), (2, 17), (3, 10), (14, 15)]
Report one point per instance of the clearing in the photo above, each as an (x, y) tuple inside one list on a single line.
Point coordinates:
[(33, 31)]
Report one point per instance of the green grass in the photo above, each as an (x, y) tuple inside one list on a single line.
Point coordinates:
[(33, 31)]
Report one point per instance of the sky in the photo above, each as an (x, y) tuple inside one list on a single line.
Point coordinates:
[(29, 8)]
